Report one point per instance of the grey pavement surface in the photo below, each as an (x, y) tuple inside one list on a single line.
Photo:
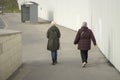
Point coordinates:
[(37, 60), (2, 25)]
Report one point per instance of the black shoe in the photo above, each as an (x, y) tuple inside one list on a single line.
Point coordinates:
[(53, 63), (56, 62)]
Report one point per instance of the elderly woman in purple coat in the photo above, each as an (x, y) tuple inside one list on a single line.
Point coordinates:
[(83, 39)]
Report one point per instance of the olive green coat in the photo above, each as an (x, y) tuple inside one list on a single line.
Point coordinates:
[(53, 35)]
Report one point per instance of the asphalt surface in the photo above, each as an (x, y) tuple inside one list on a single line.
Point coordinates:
[(37, 60)]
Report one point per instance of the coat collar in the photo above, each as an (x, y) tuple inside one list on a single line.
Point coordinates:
[(84, 27)]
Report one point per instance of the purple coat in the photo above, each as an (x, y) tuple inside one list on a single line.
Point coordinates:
[(83, 38)]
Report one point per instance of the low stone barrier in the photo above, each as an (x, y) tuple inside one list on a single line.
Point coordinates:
[(10, 52)]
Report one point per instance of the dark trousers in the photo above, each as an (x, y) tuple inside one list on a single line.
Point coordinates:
[(54, 56), (84, 55)]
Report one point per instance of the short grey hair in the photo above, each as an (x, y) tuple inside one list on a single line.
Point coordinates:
[(84, 23)]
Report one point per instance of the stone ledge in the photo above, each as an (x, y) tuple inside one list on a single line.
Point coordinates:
[(4, 32), (10, 52)]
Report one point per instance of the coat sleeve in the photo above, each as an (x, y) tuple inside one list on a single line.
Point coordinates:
[(48, 33), (93, 38), (58, 32), (77, 38)]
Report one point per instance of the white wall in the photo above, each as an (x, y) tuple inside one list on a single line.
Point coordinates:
[(45, 9), (106, 25), (71, 13)]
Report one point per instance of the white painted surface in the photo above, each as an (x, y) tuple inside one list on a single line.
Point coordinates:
[(71, 13), (106, 25)]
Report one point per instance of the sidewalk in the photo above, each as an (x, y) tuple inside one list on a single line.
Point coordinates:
[(37, 61)]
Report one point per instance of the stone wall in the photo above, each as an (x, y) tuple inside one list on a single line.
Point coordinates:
[(10, 52)]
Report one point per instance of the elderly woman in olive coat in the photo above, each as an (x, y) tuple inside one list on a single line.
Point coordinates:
[(83, 39), (53, 35)]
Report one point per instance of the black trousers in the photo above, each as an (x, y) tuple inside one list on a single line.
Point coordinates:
[(84, 55)]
